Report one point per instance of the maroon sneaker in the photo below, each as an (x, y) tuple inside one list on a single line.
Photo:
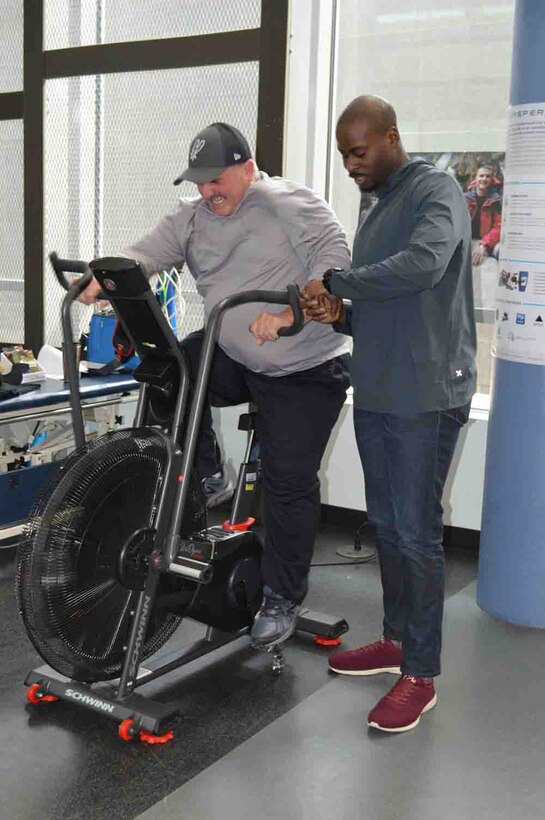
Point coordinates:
[(381, 656), (400, 709)]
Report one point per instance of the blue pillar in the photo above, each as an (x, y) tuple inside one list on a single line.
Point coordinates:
[(511, 582)]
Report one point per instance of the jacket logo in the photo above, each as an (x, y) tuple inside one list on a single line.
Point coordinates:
[(196, 148)]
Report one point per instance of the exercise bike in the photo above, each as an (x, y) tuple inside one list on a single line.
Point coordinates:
[(118, 552)]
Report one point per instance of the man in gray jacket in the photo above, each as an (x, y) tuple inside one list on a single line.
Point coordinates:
[(245, 231), (413, 371)]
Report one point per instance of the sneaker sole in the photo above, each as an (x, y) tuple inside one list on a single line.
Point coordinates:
[(426, 708), (393, 670)]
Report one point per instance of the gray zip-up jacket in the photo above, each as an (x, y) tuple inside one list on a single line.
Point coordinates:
[(280, 233), (411, 289)]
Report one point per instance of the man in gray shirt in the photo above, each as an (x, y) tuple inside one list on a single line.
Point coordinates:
[(413, 371), (246, 231)]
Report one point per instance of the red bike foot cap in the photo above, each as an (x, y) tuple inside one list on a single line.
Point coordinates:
[(148, 737), (327, 641)]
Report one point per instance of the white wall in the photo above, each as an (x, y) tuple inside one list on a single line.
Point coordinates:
[(307, 119), (341, 475)]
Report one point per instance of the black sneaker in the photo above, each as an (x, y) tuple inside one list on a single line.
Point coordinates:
[(276, 620), (217, 489)]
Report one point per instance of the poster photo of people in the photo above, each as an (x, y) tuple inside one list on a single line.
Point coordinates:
[(480, 175)]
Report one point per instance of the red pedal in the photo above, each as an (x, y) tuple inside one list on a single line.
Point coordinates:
[(242, 526)]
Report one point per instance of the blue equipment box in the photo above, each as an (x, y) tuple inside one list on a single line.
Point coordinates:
[(100, 348)]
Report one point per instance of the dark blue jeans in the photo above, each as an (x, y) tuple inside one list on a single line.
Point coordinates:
[(295, 416), (405, 463)]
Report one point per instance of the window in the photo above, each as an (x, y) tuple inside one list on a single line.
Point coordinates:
[(113, 146), (70, 23), (11, 247)]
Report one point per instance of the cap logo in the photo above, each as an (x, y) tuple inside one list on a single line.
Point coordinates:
[(237, 156), (196, 148)]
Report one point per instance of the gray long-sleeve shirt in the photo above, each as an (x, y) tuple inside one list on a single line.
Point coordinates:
[(280, 233), (411, 289)]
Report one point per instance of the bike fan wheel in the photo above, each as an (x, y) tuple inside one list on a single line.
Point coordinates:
[(75, 602)]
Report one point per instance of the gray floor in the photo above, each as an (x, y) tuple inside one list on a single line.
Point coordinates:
[(479, 754), (252, 745)]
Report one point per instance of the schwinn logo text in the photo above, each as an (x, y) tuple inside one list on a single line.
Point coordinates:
[(191, 550), (196, 148), (142, 626), (73, 694)]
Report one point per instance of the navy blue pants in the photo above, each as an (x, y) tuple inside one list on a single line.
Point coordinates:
[(295, 416), (405, 463)]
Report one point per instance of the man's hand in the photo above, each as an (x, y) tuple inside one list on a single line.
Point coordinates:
[(478, 255), (90, 294), (266, 325), (314, 289), (320, 305)]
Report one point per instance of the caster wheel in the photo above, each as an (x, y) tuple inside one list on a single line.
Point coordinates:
[(127, 730), (35, 694)]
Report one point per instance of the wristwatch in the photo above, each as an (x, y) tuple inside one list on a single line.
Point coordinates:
[(326, 278)]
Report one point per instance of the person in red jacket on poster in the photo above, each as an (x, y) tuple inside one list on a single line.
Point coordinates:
[(484, 200)]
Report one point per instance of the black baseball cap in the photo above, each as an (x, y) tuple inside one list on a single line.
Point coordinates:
[(213, 150)]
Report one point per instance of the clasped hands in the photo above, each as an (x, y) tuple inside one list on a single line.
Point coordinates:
[(316, 303), (320, 305)]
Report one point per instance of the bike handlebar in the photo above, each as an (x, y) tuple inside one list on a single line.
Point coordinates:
[(288, 297), (63, 266)]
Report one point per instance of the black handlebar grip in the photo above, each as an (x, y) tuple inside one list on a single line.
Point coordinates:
[(62, 266), (296, 326)]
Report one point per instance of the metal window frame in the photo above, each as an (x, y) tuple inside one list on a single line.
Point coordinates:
[(11, 105), (266, 45), (11, 108)]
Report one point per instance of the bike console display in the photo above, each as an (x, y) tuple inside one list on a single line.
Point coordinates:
[(127, 287)]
